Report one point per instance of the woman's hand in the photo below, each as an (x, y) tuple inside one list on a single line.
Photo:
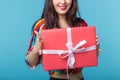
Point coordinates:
[(38, 45), (98, 45)]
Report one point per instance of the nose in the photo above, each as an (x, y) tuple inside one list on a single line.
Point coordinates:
[(63, 1)]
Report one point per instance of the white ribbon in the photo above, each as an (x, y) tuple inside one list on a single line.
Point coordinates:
[(71, 50)]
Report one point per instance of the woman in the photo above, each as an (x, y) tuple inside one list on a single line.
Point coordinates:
[(56, 14)]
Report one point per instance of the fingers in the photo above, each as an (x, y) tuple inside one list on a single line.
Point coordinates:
[(40, 52), (36, 33), (97, 41), (38, 42), (98, 44), (37, 36), (96, 38), (40, 47), (99, 50)]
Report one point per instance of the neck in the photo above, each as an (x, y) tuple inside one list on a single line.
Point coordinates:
[(63, 22)]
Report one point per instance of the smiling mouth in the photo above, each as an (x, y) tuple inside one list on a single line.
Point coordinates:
[(63, 7)]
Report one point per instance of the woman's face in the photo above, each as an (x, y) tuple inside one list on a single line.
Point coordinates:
[(62, 6)]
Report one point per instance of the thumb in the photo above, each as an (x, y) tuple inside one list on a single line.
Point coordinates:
[(37, 35), (40, 52)]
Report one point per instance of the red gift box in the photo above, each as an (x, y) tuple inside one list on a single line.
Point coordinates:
[(69, 48)]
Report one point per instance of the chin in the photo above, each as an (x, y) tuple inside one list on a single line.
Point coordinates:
[(62, 12)]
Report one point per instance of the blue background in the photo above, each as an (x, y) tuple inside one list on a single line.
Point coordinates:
[(17, 17)]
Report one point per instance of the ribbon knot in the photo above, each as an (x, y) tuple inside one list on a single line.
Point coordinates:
[(70, 52)]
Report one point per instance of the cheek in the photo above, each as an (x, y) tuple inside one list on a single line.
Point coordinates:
[(69, 1), (55, 2)]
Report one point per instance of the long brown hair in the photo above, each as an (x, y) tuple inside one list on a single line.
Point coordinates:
[(73, 15)]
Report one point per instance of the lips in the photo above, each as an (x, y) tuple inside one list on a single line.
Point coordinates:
[(63, 7)]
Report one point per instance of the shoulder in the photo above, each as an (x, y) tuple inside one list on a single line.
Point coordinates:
[(39, 24), (81, 21)]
